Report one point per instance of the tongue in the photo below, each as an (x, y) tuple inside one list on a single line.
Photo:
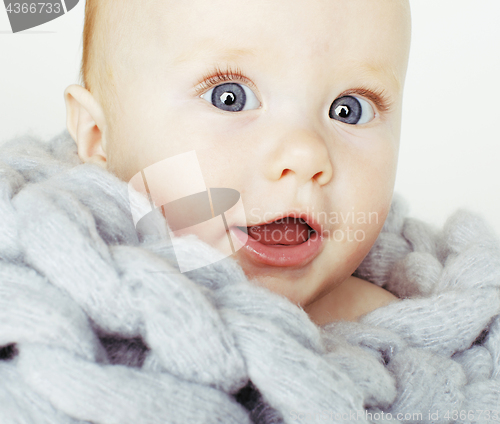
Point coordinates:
[(287, 231)]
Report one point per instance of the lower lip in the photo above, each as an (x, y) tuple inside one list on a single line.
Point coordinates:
[(280, 255)]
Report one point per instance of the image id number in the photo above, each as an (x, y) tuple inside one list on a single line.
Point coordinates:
[(473, 415), (25, 8)]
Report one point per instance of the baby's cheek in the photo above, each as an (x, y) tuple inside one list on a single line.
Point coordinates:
[(121, 159), (360, 250), (366, 233)]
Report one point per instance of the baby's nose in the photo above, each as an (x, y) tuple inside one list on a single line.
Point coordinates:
[(302, 152)]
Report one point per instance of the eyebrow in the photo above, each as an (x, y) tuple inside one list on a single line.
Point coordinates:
[(221, 54), (381, 73)]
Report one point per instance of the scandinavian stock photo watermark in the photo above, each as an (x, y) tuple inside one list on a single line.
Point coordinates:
[(471, 415), (187, 206), (332, 225), (354, 416), (175, 194)]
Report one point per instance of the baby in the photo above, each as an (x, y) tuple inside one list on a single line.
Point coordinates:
[(295, 104)]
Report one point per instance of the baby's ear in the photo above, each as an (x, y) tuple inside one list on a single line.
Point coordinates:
[(86, 122)]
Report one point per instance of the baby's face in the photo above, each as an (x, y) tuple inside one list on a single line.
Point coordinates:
[(271, 132)]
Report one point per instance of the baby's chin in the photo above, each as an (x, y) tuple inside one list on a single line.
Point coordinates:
[(305, 286), (299, 286), (277, 285)]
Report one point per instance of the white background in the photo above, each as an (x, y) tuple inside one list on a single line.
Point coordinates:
[(450, 144)]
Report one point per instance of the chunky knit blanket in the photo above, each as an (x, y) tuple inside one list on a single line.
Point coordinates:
[(96, 325)]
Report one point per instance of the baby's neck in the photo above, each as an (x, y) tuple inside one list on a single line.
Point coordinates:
[(349, 301)]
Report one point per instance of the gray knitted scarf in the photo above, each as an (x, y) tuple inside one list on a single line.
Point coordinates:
[(97, 327)]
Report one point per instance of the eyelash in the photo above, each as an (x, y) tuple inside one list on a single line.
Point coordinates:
[(217, 76)]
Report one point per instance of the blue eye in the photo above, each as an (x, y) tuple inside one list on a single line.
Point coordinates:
[(351, 110), (232, 97)]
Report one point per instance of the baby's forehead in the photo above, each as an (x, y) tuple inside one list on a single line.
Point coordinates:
[(191, 18), (139, 34)]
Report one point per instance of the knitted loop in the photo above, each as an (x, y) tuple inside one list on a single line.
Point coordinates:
[(449, 318)]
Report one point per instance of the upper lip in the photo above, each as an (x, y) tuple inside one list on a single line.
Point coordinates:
[(309, 220)]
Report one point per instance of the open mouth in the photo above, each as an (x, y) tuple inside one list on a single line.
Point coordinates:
[(287, 231), (287, 242)]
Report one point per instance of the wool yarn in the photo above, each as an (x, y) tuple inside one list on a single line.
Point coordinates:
[(98, 326)]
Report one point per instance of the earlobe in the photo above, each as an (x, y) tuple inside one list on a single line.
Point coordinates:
[(86, 123)]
